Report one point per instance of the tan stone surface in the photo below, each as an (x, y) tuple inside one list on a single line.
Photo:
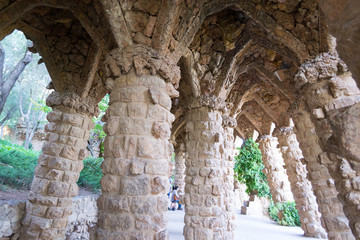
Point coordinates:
[(301, 187), (209, 202), (274, 169), (133, 202)]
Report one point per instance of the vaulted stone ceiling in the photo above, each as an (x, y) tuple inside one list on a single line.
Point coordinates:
[(243, 52)]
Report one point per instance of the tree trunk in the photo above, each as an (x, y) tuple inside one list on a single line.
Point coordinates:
[(7, 84)]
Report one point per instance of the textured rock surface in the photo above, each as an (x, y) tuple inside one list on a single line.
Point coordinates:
[(344, 24), (239, 57), (11, 214), (133, 202), (274, 169), (80, 222), (330, 88), (180, 168), (301, 187), (59, 165), (333, 217), (209, 176)]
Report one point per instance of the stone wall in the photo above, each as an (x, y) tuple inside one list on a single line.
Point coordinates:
[(80, 226)]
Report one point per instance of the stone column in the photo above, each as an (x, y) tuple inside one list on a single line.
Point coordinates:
[(331, 97), (133, 202), (301, 187), (50, 200), (180, 168), (274, 169), (207, 177), (332, 214), (227, 156)]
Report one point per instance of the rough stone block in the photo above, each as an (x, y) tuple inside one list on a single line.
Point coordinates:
[(137, 167), (135, 186), (70, 153), (110, 183), (60, 164), (58, 189), (73, 119)]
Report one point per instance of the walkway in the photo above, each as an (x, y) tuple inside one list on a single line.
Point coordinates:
[(247, 228)]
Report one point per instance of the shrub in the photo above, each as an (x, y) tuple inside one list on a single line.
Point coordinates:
[(91, 174), (17, 168), (290, 216), (16, 165), (248, 169)]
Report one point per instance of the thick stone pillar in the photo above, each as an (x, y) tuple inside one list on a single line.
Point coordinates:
[(180, 168), (331, 97), (274, 169), (133, 202), (305, 199), (50, 200), (208, 176), (332, 214)]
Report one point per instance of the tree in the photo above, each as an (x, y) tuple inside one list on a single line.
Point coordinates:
[(248, 169), (30, 84), (7, 82), (33, 116)]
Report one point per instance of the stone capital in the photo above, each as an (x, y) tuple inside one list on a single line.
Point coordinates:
[(209, 101), (73, 102), (143, 60), (228, 121)]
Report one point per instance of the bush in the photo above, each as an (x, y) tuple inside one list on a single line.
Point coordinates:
[(91, 174), (290, 216), (16, 165), (17, 168), (248, 169)]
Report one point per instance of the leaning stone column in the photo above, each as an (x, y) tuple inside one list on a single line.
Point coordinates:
[(50, 200), (332, 214), (180, 168), (301, 187), (206, 172), (274, 169), (332, 100), (133, 202)]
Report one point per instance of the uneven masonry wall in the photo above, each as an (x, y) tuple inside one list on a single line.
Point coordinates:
[(80, 222), (301, 187), (274, 169), (209, 177), (59, 165), (133, 202)]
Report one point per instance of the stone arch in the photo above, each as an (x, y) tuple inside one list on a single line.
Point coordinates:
[(224, 57)]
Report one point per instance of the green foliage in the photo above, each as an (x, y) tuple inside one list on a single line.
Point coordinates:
[(16, 165), (91, 174), (248, 169), (97, 134), (17, 168), (290, 216), (31, 83)]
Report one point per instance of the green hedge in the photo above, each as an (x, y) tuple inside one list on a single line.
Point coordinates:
[(17, 168), (248, 169), (16, 165), (91, 174), (289, 212)]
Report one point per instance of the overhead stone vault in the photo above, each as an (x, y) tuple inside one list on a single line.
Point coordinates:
[(191, 76)]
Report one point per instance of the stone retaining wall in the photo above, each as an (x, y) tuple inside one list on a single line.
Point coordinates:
[(81, 221)]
